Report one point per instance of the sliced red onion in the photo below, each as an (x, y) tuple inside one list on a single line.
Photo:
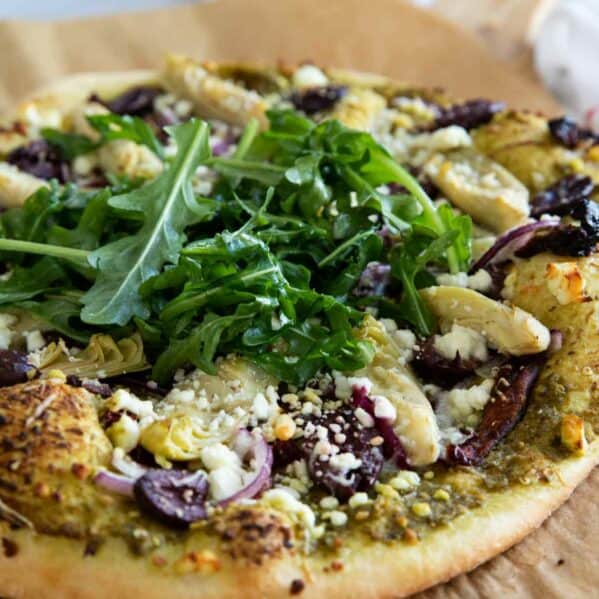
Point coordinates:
[(127, 466), (252, 446), (393, 447), (115, 483), (509, 243)]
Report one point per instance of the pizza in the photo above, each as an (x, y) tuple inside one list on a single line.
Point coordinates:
[(288, 330)]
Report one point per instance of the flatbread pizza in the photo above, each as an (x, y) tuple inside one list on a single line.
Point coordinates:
[(287, 330)]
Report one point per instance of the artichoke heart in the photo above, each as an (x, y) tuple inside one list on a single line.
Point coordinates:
[(415, 424), (102, 358), (509, 329), (480, 187), (204, 409), (212, 96)]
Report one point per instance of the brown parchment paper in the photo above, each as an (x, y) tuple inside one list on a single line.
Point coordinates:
[(387, 36)]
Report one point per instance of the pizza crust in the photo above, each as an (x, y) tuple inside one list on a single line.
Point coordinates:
[(378, 571), (48, 567)]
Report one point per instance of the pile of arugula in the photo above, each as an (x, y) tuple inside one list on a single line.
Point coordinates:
[(264, 268)]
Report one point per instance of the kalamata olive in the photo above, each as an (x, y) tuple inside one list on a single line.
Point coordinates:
[(176, 497), (562, 196), (344, 435), (14, 368), (40, 159), (568, 133), (317, 99), (442, 371), (469, 115), (137, 101)]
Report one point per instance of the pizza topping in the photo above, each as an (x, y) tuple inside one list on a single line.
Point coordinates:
[(136, 101), (177, 497), (318, 99), (441, 369), (338, 451), (560, 197), (14, 368), (507, 245), (42, 160), (568, 239), (567, 132), (468, 115), (509, 329), (509, 398)]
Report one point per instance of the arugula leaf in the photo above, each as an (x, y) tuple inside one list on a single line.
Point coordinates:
[(70, 145), (25, 283), (88, 232), (61, 313), (168, 206), (407, 262)]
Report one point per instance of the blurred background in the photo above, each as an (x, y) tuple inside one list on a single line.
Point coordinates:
[(554, 40)]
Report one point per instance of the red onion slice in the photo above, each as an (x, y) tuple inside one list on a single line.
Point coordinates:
[(115, 483), (509, 243), (252, 446)]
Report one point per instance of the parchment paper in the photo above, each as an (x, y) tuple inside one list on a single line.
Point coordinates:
[(384, 36)]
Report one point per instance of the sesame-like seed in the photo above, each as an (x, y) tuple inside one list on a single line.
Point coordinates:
[(376, 441)]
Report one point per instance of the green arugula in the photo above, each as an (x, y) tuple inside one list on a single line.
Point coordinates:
[(168, 206), (265, 268)]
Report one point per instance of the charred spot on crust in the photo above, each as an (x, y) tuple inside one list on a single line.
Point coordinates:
[(253, 534), (297, 586), (9, 547)]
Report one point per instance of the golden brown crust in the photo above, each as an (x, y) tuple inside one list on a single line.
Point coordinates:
[(52, 443), (365, 572)]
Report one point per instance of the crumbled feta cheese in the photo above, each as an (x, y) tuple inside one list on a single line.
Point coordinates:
[(464, 406), (219, 456), (364, 418), (260, 407), (224, 482), (309, 75), (480, 281), (345, 462), (34, 340), (467, 342), (6, 334), (344, 385), (125, 401), (383, 408)]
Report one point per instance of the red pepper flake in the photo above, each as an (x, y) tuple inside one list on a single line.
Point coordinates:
[(297, 586), (337, 566)]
